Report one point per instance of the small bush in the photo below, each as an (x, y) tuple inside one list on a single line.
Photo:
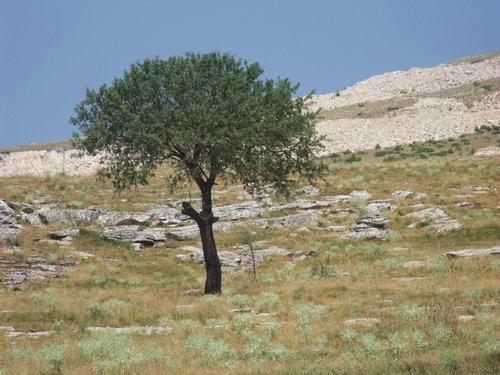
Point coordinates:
[(353, 158), (450, 360), (267, 301), (213, 352), (109, 352), (54, 355)]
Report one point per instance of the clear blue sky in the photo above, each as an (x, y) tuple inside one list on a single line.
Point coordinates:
[(51, 50)]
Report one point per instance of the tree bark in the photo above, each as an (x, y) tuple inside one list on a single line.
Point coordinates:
[(205, 220)]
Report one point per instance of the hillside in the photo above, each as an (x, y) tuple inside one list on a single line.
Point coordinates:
[(387, 110), (416, 105)]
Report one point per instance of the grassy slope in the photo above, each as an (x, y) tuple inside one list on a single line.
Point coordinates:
[(417, 330)]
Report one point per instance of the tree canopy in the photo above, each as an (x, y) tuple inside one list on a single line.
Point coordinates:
[(210, 116)]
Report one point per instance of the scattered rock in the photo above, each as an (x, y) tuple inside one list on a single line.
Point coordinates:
[(428, 214), (473, 252), (124, 218), (336, 228), (9, 232), (368, 227), (444, 225), (437, 221), (12, 333), (244, 210), (166, 214), (377, 207), (467, 205), (375, 221), (399, 250), (476, 189), (417, 264), (403, 194), (146, 237), (22, 207), (362, 321), (81, 254), (50, 215), (361, 194), (17, 276), (408, 194), (260, 255), (308, 190), (192, 292), (466, 318), (488, 151), (195, 254), (62, 234), (147, 330), (242, 311), (409, 279), (6, 213)]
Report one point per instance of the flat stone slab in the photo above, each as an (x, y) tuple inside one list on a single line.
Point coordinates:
[(468, 253), (409, 279), (417, 264), (361, 321), (147, 330), (12, 333)]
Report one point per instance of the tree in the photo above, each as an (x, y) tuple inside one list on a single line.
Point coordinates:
[(210, 117)]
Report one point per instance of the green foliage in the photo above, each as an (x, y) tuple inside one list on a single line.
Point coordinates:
[(207, 115)]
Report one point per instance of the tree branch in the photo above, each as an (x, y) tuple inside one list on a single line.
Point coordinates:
[(188, 210)]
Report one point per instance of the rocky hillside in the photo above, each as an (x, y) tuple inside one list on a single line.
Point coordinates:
[(394, 108), (416, 105)]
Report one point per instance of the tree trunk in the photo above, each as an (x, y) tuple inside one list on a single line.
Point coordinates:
[(212, 262), (205, 220)]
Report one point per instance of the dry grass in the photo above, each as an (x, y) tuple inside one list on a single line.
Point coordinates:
[(416, 327)]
